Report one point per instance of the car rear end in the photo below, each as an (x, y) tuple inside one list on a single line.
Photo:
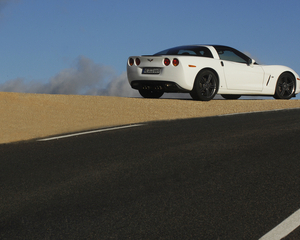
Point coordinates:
[(165, 73)]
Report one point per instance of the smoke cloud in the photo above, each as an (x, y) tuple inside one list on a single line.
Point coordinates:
[(85, 78)]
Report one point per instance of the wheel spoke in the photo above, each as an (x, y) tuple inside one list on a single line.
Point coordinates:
[(289, 91), (284, 80), (207, 92), (209, 78)]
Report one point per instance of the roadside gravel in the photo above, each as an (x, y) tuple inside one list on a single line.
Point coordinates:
[(30, 116)]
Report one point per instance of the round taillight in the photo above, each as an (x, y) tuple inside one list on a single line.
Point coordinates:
[(131, 61), (167, 61), (137, 61), (175, 62)]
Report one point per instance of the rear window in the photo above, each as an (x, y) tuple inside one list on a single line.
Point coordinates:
[(188, 51)]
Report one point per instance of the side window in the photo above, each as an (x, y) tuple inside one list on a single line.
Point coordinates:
[(205, 52), (230, 55)]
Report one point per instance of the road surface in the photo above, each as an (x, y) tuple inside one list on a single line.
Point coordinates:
[(226, 177)]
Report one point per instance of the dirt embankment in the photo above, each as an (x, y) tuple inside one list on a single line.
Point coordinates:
[(29, 116)]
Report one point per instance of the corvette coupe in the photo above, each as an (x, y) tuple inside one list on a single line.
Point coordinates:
[(207, 70)]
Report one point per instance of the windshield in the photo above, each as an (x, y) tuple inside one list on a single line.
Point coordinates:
[(187, 50)]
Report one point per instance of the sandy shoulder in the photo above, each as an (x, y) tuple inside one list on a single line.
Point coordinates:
[(29, 116)]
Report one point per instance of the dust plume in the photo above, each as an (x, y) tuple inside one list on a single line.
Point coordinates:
[(85, 78)]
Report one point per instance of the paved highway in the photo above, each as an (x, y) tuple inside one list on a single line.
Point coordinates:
[(229, 177)]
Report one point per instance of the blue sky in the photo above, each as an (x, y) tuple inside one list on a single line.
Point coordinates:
[(48, 44)]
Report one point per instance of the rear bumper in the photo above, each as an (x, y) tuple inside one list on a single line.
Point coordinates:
[(165, 86)]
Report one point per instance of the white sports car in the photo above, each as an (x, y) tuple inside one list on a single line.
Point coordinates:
[(207, 70)]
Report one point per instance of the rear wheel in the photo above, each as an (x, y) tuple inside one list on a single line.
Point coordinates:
[(148, 93), (206, 86), (230, 96), (285, 87)]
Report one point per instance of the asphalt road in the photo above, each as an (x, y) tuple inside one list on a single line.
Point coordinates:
[(230, 177)]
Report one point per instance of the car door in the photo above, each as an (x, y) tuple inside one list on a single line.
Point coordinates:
[(239, 73)]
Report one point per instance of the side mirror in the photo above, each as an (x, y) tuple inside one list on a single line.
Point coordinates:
[(250, 62)]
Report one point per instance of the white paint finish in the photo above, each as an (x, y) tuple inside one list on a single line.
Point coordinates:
[(244, 80), (284, 228), (240, 76), (89, 132)]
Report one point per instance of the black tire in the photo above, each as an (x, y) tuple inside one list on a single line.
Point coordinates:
[(230, 96), (148, 93), (285, 87), (194, 95), (206, 86)]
